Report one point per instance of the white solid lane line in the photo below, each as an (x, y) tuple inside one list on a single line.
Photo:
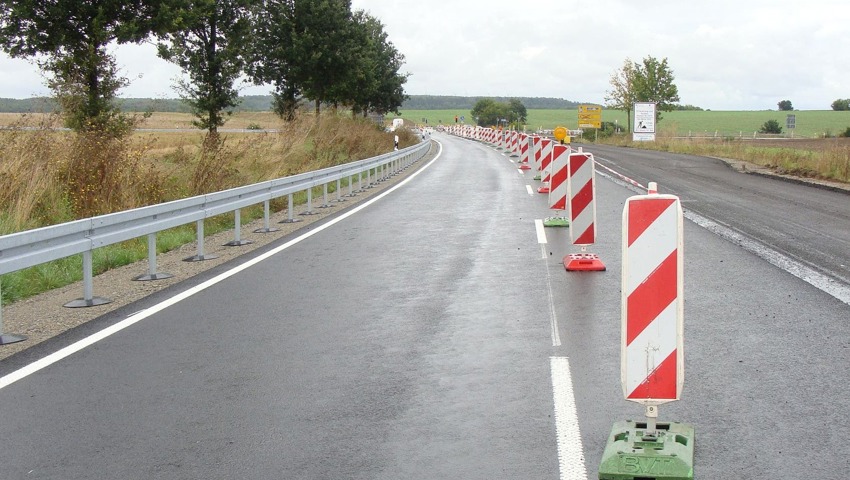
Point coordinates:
[(541, 231), (570, 449)]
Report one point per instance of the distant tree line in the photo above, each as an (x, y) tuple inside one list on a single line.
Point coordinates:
[(441, 102), (306, 49)]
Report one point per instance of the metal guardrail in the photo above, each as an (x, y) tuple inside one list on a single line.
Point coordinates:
[(33, 247)]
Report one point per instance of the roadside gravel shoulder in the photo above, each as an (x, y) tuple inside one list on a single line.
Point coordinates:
[(43, 316)]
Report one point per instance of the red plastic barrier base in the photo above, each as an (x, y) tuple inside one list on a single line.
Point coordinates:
[(524, 166), (543, 189), (583, 262)]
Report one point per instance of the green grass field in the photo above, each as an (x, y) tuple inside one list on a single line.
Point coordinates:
[(809, 123)]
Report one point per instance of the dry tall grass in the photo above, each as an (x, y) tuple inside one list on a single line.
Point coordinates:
[(49, 176)]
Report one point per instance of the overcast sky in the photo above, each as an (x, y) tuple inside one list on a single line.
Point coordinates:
[(725, 55)]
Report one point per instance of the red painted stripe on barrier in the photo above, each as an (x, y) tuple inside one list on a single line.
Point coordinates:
[(661, 382), (641, 218), (576, 162), (651, 297), (582, 199), (587, 237)]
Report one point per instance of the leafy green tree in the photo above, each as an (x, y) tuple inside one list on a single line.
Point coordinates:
[(209, 45), (771, 126), (841, 105), (68, 39), (323, 48), (517, 111), (489, 112), (375, 83), (622, 93), (653, 82), (785, 106), (272, 54)]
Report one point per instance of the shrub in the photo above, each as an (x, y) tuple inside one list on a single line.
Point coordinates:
[(770, 126)]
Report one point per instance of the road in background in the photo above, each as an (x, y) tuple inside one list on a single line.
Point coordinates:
[(416, 338)]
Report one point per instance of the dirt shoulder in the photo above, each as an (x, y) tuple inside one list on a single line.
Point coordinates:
[(43, 316)]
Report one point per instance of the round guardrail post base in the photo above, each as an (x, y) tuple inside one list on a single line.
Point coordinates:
[(7, 339), (85, 303), (308, 213), (237, 243), (152, 276), (326, 205), (290, 220), (266, 230), (199, 258)]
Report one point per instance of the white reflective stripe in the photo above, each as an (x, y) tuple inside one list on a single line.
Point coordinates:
[(581, 223), (650, 348), (655, 244)]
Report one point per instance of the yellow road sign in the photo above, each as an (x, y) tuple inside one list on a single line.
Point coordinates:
[(589, 116)]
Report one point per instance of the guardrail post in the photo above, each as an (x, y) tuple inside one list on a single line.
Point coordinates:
[(339, 198), (289, 218), (88, 300), (200, 255), (351, 186), (5, 338), (360, 182), (152, 273), (309, 210), (266, 228), (237, 231), (325, 203), (368, 178)]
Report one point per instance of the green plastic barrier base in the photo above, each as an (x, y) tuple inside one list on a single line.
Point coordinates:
[(632, 454), (556, 222), (537, 177)]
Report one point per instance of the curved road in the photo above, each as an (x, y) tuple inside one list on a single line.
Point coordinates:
[(431, 333)]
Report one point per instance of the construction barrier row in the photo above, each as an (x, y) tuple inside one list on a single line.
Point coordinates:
[(652, 313)]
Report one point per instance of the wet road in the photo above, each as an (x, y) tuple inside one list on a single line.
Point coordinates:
[(421, 336)]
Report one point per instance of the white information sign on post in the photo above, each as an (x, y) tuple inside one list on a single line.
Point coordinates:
[(644, 128)]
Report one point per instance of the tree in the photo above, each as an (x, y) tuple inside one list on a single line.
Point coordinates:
[(622, 93), (322, 48), (653, 82), (375, 83), (841, 105), (209, 45), (489, 112), (785, 106), (771, 126), (272, 56), (68, 38), (517, 111)]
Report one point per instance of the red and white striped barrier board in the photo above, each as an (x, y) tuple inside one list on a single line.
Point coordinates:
[(558, 181), (524, 151), (545, 154), (514, 144), (581, 188), (535, 152), (652, 368)]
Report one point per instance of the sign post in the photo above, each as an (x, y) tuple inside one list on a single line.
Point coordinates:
[(652, 354)]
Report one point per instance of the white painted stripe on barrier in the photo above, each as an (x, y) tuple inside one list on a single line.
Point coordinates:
[(106, 332), (570, 449), (652, 248), (653, 346), (541, 231)]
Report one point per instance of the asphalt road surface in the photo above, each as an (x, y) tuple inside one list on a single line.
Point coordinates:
[(431, 333)]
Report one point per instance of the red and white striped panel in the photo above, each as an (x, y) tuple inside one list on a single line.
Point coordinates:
[(515, 143), (545, 158), (558, 180), (523, 151), (535, 152), (581, 190), (652, 366)]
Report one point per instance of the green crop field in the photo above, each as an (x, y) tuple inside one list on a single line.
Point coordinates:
[(809, 123)]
